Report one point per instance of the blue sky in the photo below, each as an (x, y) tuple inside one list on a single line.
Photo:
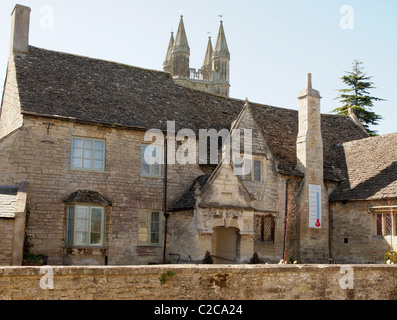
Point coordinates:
[(273, 44)]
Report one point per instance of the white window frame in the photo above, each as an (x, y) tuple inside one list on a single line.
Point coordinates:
[(92, 159), (73, 242), (147, 214), (151, 173)]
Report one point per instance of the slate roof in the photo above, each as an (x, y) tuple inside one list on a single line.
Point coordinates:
[(8, 197), (65, 86), (370, 168), (187, 200), (86, 196)]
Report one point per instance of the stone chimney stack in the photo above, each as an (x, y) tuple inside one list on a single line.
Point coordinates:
[(314, 215), (310, 142), (20, 20)]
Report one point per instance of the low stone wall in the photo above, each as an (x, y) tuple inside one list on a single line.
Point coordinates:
[(201, 282)]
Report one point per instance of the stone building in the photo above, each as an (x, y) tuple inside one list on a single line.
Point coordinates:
[(73, 166)]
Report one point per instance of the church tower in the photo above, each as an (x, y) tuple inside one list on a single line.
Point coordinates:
[(221, 64), (213, 77), (180, 55)]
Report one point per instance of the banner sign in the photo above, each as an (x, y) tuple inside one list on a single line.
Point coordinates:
[(315, 206)]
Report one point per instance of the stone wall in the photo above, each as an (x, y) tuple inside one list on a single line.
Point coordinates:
[(353, 232), (41, 155), (200, 282), (6, 241), (10, 116)]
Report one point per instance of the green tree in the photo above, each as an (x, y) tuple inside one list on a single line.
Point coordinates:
[(357, 99)]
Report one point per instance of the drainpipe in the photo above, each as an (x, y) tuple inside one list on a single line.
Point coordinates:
[(286, 217), (166, 214)]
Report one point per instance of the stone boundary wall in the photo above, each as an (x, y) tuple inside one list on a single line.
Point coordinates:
[(201, 282)]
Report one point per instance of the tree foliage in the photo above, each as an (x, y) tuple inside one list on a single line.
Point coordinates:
[(357, 98)]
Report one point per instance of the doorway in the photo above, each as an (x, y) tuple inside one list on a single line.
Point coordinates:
[(225, 244)]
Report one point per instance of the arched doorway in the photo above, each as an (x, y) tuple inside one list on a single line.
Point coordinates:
[(224, 245)]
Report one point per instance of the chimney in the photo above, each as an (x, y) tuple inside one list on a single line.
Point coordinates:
[(313, 239), (20, 19), (309, 142)]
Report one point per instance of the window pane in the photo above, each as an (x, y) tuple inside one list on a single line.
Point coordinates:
[(87, 154), (155, 228), (98, 165), (98, 155), (268, 229), (82, 213), (99, 145), (70, 225), (379, 229), (388, 224), (155, 170), (87, 144), (248, 169), (143, 227), (96, 226), (96, 213), (257, 171), (81, 225), (87, 163), (151, 165), (77, 143), (258, 228), (81, 237), (77, 153), (96, 238)]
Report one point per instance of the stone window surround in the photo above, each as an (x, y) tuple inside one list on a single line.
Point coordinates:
[(379, 214)]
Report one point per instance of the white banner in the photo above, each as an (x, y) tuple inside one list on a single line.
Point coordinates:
[(315, 207)]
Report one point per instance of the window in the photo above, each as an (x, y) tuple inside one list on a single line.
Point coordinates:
[(265, 227), (85, 226), (257, 170), (88, 154), (149, 227), (151, 159), (248, 169), (386, 224)]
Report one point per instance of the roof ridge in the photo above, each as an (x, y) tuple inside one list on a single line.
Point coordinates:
[(99, 59)]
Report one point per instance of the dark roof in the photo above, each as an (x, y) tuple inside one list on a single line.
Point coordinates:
[(187, 200), (8, 197), (65, 86), (86, 196), (370, 168)]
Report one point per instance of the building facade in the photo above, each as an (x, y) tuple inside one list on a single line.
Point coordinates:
[(76, 181)]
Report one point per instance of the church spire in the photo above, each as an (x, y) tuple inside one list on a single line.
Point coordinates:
[(181, 43), (208, 55), (168, 59), (221, 48), (180, 56)]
